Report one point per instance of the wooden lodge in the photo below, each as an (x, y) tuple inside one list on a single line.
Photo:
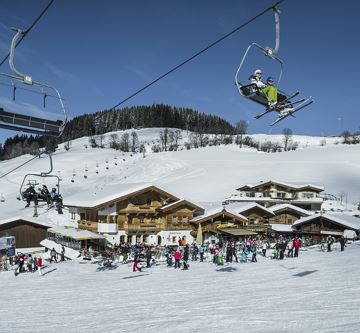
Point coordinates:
[(28, 232), (319, 226), (214, 221), (269, 193), (287, 214), (135, 212)]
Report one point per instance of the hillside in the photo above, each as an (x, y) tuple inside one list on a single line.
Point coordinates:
[(203, 174)]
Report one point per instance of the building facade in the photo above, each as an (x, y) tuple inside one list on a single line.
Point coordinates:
[(269, 193), (137, 213)]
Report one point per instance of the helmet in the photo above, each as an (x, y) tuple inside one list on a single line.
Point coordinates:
[(258, 71), (270, 78)]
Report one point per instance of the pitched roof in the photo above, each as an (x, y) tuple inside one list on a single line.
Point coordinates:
[(180, 202), (345, 220), (294, 186), (25, 219), (280, 207), (241, 207), (108, 193), (216, 212)]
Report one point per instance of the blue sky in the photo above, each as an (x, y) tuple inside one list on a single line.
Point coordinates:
[(99, 52)]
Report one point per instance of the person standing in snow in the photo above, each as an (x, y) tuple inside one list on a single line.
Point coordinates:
[(296, 246), (53, 255), (62, 253), (342, 243), (148, 257), (177, 258), (136, 261), (264, 248), (253, 250), (201, 251), (186, 257), (39, 264)]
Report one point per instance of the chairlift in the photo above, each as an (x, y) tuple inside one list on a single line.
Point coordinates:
[(29, 182), (23, 121), (284, 107)]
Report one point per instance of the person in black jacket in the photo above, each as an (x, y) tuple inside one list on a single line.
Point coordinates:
[(30, 195), (148, 257), (186, 257)]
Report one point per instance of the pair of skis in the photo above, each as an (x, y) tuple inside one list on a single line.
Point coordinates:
[(286, 104)]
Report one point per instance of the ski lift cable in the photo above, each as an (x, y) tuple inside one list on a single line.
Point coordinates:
[(29, 29), (199, 53), (21, 165)]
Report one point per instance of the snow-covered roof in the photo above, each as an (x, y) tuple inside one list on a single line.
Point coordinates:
[(26, 219), (281, 227), (277, 208), (217, 211), (181, 201), (105, 193), (345, 220), (293, 185), (241, 207), (74, 233)]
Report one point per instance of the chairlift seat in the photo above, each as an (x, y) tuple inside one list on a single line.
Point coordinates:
[(25, 123), (253, 92)]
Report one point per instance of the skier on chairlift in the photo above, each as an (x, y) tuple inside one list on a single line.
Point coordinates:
[(268, 89)]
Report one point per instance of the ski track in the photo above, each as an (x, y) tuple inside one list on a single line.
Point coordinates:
[(257, 297)]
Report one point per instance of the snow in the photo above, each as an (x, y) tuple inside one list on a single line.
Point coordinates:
[(281, 227), (316, 292), (279, 207), (209, 174)]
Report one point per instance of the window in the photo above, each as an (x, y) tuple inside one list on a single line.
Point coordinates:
[(185, 219), (174, 219), (73, 216), (130, 219), (142, 218)]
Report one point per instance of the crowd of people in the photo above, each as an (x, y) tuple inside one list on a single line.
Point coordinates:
[(143, 256), (27, 262)]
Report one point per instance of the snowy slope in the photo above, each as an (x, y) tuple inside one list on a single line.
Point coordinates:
[(317, 292), (203, 174)]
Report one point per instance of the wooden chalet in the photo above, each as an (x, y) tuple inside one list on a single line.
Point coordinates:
[(28, 232), (321, 225), (136, 212), (271, 192), (214, 221), (287, 214), (258, 216)]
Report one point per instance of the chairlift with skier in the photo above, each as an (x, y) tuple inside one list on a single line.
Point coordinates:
[(29, 185), (24, 120), (284, 105)]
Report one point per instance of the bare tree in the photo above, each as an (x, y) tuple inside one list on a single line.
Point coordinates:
[(175, 137), (134, 141), (114, 141), (124, 142), (287, 132), (164, 139), (241, 128)]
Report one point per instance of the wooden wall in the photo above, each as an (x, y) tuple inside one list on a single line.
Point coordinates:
[(26, 234)]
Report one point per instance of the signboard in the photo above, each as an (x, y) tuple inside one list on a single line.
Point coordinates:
[(7, 245)]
